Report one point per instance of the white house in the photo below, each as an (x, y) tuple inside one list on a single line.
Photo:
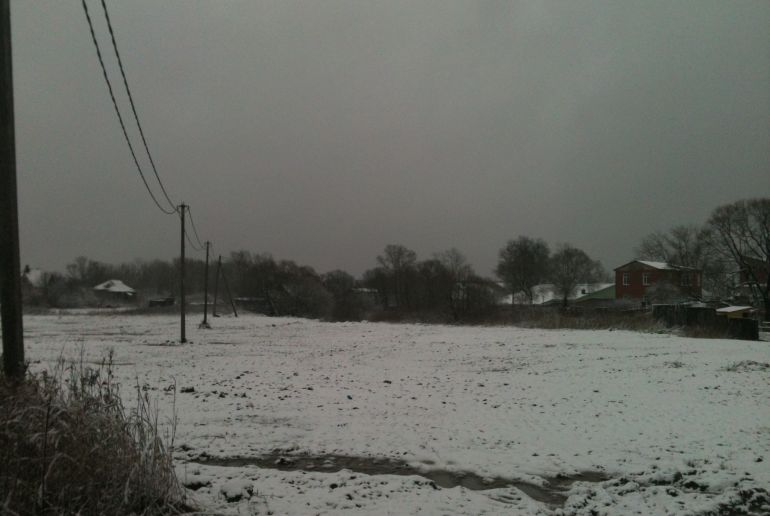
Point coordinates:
[(114, 289), (546, 293)]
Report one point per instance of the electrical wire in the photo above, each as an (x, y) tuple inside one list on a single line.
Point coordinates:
[(186, 233), (131, 101), (120, 117), (200, 245), (195, 230), (192, 244)]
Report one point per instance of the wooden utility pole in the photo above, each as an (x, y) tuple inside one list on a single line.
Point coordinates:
[(216, 287), (229, 294), (10, 264), (205, 323), (182, 338)]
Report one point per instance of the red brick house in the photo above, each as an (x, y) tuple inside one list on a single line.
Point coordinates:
[(752, 285), (753, 271), (647, 280)]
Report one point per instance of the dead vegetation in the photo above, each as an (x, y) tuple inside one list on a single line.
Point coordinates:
[(556, 318), (745, 366), (69, 446)]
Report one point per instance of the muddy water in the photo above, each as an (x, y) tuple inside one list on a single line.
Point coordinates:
[(552, 493)]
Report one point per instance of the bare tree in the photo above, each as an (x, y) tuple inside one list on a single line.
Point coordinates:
[(341, 285), (431, 286), (85, 272), (742, 231), (460, 274), (456, 263), (398, 262), (378, 279), (570, 266), (397, 257), (523, 264), (691, 246)]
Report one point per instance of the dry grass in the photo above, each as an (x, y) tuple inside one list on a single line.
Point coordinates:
[(704, 332), (69, 446), (746, 366), (554, 318), (636, 322)]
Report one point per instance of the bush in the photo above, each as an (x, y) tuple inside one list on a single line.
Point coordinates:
[(68, 446)]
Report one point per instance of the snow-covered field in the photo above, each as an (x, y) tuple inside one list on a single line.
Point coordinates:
[(526, 421)]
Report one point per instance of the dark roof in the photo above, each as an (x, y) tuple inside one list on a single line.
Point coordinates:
[(661, 266)]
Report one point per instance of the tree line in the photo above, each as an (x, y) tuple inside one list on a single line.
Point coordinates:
[(74, 287), (443, 286)]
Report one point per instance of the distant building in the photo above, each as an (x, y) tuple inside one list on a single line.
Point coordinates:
[(33, 284), (750, 281), (754, 271), (259, 305), (114, 290), (650, 281), (737, 312), (546, 294), (603, 297), (35, 277)]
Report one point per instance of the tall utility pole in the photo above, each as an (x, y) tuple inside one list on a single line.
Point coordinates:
[(229, 294), (205, 323), (10, 265), (182, 338)]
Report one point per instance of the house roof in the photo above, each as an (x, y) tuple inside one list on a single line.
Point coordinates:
[(733, 309), (545, 293), (662, 266), (114, 285), (607, 292), (657, 265)]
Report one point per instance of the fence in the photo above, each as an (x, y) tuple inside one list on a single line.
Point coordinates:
[(703, 317), (764, 331)]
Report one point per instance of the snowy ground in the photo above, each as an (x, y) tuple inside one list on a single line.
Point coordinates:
[(661, 424)]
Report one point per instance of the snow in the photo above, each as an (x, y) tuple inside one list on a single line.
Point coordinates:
[(733, 309), (662, 265), (656, 265), (237, 489), (670, 424), (114, 285)]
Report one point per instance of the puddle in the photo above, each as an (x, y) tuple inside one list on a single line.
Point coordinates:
[(553, 493)]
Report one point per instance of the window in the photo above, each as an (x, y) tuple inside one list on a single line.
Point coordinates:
[(626, 279), (646, 279), (685, 279)]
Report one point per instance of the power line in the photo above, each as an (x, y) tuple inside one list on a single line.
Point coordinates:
[(200, 246), (131, 101), (192, 244), (185, 213), (195, 229), (117, 111), (185, 236)]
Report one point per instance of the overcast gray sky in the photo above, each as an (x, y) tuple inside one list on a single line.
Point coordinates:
[(320, 131)]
